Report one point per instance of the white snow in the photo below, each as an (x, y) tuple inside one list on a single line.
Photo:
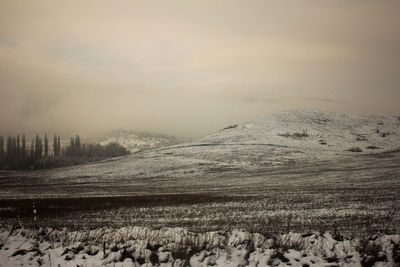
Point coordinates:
[(140, 246), (340, 131), (135, 142), (255, 146)]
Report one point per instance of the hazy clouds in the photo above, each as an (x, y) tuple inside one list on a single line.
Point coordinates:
[(192, 67)]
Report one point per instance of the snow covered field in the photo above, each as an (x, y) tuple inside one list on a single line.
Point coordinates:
[(136, 141), (305, 171), (281, 139)]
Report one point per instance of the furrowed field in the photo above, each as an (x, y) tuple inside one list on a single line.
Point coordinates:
[(354, 197), (291, 189)]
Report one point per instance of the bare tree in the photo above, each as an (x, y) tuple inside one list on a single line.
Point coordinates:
[(46, 145), (38, 147), (32, 150), (55, 146), (59, 146), (1, 148), (23, 147), (18, 148)]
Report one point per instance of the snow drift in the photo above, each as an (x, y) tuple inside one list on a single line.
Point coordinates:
[(140, 246)]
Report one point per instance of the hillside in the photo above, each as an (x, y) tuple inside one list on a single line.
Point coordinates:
[(317, 131), (260, 176), (305, 139), (137, 141), (288, 138)]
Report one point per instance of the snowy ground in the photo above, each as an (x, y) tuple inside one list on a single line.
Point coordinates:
[(254, 175), (282, 139), (140, 246), (136, 141)]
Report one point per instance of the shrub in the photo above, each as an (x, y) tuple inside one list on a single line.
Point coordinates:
[(295, 135), (355, 149), (230, 127)]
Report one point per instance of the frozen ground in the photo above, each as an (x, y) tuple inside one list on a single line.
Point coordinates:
[(246, 174), (140, 246), (281, 139), (288, 170)]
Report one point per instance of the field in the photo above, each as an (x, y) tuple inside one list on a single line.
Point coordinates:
[(296, 188), (356, 196)]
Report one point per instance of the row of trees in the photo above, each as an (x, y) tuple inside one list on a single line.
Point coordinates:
[(76, 149), (16, 153)]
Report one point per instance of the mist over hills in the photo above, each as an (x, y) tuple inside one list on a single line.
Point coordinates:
[(280, 139), (135, 141), (312, 131)]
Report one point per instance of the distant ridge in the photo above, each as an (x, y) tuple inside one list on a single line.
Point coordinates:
[(138, 141), (301, 138), (315, 130)]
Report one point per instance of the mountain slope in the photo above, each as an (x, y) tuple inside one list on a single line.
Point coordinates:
[(285, 138), (138, 141), (315, 130), (306, 139)]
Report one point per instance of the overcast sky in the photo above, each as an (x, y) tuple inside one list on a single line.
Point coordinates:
[(192, 67)]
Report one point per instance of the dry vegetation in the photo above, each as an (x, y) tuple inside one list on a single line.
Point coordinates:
[(355, 198)]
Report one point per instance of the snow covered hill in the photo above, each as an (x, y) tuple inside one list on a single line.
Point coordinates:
[(285, 138), (137, 141), (319, 131), (281, 139)]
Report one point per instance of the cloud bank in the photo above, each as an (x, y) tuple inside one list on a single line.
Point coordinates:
[(192, 67)]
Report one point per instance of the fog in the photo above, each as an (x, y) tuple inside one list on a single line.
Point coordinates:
[(189, 68)]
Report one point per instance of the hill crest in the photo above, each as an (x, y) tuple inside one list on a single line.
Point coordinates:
[(316, 130)]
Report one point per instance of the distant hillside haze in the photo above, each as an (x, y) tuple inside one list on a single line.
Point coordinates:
[(137, 141), (304, 137)]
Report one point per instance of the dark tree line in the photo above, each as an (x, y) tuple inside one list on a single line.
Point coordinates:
[(76, 149), (17, 154)]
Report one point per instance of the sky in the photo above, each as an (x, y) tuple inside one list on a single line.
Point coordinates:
[(189, 68)]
